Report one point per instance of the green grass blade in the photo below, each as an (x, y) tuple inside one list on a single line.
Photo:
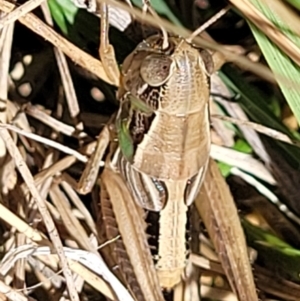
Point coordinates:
[(277, 255), (63, 13), (295, 3), (288, 73)]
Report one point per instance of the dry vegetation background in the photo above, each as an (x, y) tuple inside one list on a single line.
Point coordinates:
[(55, 98)]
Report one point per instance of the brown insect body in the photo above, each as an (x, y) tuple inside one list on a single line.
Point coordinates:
[(172, 143), (164, 106)]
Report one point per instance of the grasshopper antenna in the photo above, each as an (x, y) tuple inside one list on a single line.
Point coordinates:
[(147, 6), (208, 23)]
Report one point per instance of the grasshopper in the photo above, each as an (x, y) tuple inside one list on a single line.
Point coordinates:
[(163, 148), (164, 133)]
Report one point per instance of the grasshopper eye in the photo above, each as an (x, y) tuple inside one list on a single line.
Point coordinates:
[(156, 69)]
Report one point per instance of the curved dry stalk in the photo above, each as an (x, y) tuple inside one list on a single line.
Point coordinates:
[(72, 225), (75, 199), (266, 192), (38, 237), (234, 110), (7, 170)]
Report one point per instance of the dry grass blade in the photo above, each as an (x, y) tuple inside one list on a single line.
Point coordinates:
[(19, 12), (25, 172), (218, 87), (36, 236), (267, 193), (226, 134), (64, 72), (20, 225), (12, 294), (77, 55), (243, 161), (51, 171), (283, 289), (218, 211), (71, 223), (58, 126), (90, 173), (6, 39), (46, 141), (278, 220), (257, 18), (90, 260), (265, 280), (58, 166), (259, 128), (80, 206), (286, 13)]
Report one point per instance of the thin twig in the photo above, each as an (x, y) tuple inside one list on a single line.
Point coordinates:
[(73, 196)]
